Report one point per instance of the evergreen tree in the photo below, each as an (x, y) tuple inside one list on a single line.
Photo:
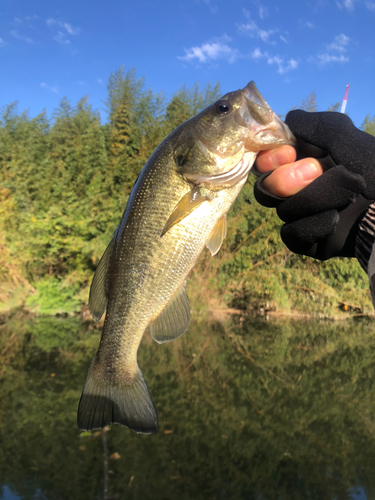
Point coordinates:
[(369, 125), (334, 107), (64, 184), (123, 145), (186, 103), (310, 104)]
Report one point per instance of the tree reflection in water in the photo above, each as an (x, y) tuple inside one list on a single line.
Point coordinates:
[(247, 409)]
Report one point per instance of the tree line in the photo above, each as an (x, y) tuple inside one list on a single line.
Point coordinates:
[(65, 180)]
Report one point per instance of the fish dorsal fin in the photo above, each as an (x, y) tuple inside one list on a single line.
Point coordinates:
[(217, 235), (184, 207), (98, 293), (174, 319)]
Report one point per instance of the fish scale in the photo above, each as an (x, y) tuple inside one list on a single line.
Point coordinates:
[(177, 207)]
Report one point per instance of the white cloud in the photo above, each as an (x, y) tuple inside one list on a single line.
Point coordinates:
[(48, 87), (248, 28), (256, 54), (264, 35), (283, 39), (19, 20), (282, 66), (209, 52), (262, 11), (370, 6), (67, 29), (60, 37), (309, 25), (213, 8), (3, 43), (324, 59), (335, 52), (252, 29), (347, 4), (339, 43), (100, 81), (15, 34)]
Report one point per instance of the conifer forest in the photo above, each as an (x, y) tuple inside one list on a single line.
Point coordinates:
[(65, 181)]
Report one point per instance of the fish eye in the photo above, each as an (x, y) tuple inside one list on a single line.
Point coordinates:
[(223, 107), (180, 160)]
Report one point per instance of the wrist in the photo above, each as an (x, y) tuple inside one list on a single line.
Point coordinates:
[(365, 238)]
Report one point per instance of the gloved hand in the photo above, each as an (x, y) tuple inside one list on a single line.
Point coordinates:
[(322, 219)]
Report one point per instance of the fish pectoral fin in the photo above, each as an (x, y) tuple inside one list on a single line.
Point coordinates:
[(174, 319), (188, 203), (98, 295), (217, 235)]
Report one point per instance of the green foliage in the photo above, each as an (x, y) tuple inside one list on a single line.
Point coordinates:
[(369, 125), (186, 103), (65, 181), (53, 297), (310, 104), (254, 271), (335, 107)]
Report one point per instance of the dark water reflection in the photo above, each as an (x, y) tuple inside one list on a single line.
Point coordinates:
[(247, 410)]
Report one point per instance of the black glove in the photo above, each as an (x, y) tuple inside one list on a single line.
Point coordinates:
[(322, 219)]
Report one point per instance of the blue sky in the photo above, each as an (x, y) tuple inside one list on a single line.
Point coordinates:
[(51, 49)]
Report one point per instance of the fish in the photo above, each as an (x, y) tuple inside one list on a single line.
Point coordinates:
[(177, 207)]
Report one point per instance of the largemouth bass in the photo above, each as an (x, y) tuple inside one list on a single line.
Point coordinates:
[(177, 207)]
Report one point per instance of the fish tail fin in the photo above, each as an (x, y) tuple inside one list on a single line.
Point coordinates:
[(127, 402)]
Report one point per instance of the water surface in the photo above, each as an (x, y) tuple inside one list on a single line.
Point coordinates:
[(250, 409)]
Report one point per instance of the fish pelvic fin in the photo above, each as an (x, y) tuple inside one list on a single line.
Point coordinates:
[(128, 402), (174, 319), (98, 293), (217, 235), (188, 203)]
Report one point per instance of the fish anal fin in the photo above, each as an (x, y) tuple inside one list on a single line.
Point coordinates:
[(217, 235), (188, 203), (128, 402), (98, 293), (174, 319)]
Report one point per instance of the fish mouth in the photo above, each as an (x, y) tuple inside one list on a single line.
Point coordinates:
[(266, 130)]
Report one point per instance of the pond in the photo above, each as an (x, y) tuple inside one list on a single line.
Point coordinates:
[(248, 409)]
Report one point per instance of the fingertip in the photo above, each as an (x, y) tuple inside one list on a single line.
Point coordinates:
[(275, 158), (307, 170), (291, 178)]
